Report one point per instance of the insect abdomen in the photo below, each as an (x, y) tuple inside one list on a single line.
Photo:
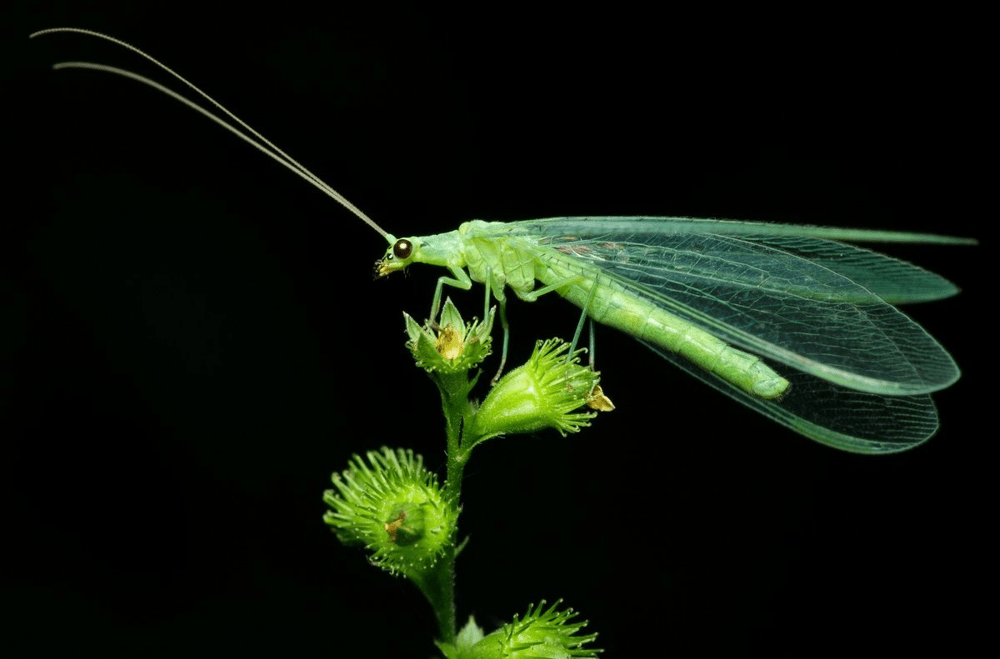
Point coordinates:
[(612, 304)]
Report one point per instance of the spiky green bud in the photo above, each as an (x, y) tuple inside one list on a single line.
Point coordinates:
[(452, 346), (393, 507), (541, 394), (541, 634)]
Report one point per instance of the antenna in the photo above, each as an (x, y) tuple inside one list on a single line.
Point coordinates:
[(247, 134)]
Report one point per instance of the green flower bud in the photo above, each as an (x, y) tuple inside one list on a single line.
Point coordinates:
[(394, 508), (542, 634), (540, 394), (452, 346)]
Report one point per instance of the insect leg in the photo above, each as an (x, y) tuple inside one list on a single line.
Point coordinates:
[(579, 328), (593, 354), (501, 297), (506, 340), (460, 281), (531, 296)]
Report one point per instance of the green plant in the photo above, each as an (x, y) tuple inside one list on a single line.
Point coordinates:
[(396, 509)]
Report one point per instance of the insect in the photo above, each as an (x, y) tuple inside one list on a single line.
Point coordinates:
[(795, 322)]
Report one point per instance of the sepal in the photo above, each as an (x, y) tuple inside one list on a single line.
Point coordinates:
[(464, 641)]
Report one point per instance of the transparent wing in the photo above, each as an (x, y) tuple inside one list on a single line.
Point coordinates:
[(855, 421), (789, 294)]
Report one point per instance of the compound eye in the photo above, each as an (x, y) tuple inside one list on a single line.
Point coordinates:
[(402, 249)]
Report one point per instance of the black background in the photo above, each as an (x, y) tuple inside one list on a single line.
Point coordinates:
[(194, 342)]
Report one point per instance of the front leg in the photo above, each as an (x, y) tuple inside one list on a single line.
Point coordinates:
[(460, 280)]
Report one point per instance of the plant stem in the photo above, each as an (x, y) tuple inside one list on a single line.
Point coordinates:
[(454, 390)]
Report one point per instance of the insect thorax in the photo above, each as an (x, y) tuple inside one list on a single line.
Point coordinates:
[(491, 251)]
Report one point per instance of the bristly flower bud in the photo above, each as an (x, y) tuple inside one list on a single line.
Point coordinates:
[(541, 394), (453, 346), (395, 508), (542, 633)]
